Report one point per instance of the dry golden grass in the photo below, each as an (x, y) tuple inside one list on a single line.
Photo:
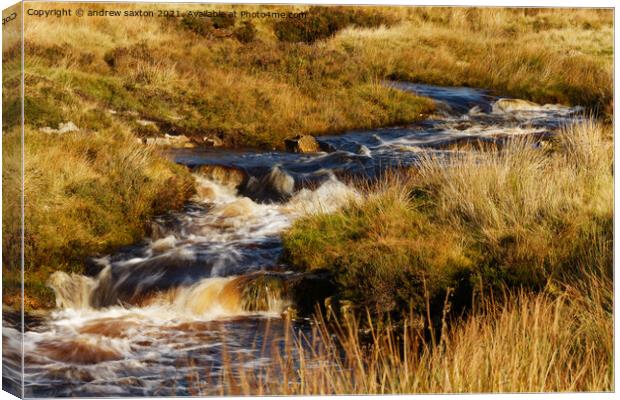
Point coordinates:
[(523, 218), (540, 209), (11, 31), (546, 55), (250, 95), (519, 342), (547, 212), (257, 94)]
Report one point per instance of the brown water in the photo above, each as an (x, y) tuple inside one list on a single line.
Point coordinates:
[(207, 286)]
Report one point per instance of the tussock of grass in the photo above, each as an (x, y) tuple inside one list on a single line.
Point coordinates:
[(522, 217)]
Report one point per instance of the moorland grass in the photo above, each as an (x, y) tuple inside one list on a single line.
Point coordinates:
[(522, 216), (544, 55), (492, 272), (532, 227), (199, 78), (259, 87), (203, 78)]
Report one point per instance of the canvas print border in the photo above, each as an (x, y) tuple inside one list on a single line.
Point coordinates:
[(287, 199)]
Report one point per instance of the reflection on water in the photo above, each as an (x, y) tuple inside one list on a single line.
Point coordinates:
[(164, 316)]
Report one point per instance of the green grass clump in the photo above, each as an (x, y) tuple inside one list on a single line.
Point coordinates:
[(519, 217), (384, 253)]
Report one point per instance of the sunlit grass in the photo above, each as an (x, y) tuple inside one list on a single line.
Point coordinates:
[(531, 229), (548, 56), (259, 93)]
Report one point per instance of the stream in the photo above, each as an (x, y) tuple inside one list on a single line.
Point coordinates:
[(207, 287)]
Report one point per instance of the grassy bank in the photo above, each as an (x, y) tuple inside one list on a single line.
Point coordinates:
[(497, 268), (255, 82), (518, 342), (544, 55), (203, 79), (86, 193), (517, 217)]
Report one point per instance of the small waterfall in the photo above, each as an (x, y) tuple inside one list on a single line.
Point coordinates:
[(257, 293), (207, 299), (72, 291)]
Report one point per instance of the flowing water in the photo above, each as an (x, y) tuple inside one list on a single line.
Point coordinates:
[(207, 286)]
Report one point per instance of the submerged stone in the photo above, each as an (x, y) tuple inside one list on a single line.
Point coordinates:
[(508, 105), (276, 185), (302, 144), (222, 174)]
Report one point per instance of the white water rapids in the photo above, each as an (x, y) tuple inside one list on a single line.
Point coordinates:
[(145, 347)]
